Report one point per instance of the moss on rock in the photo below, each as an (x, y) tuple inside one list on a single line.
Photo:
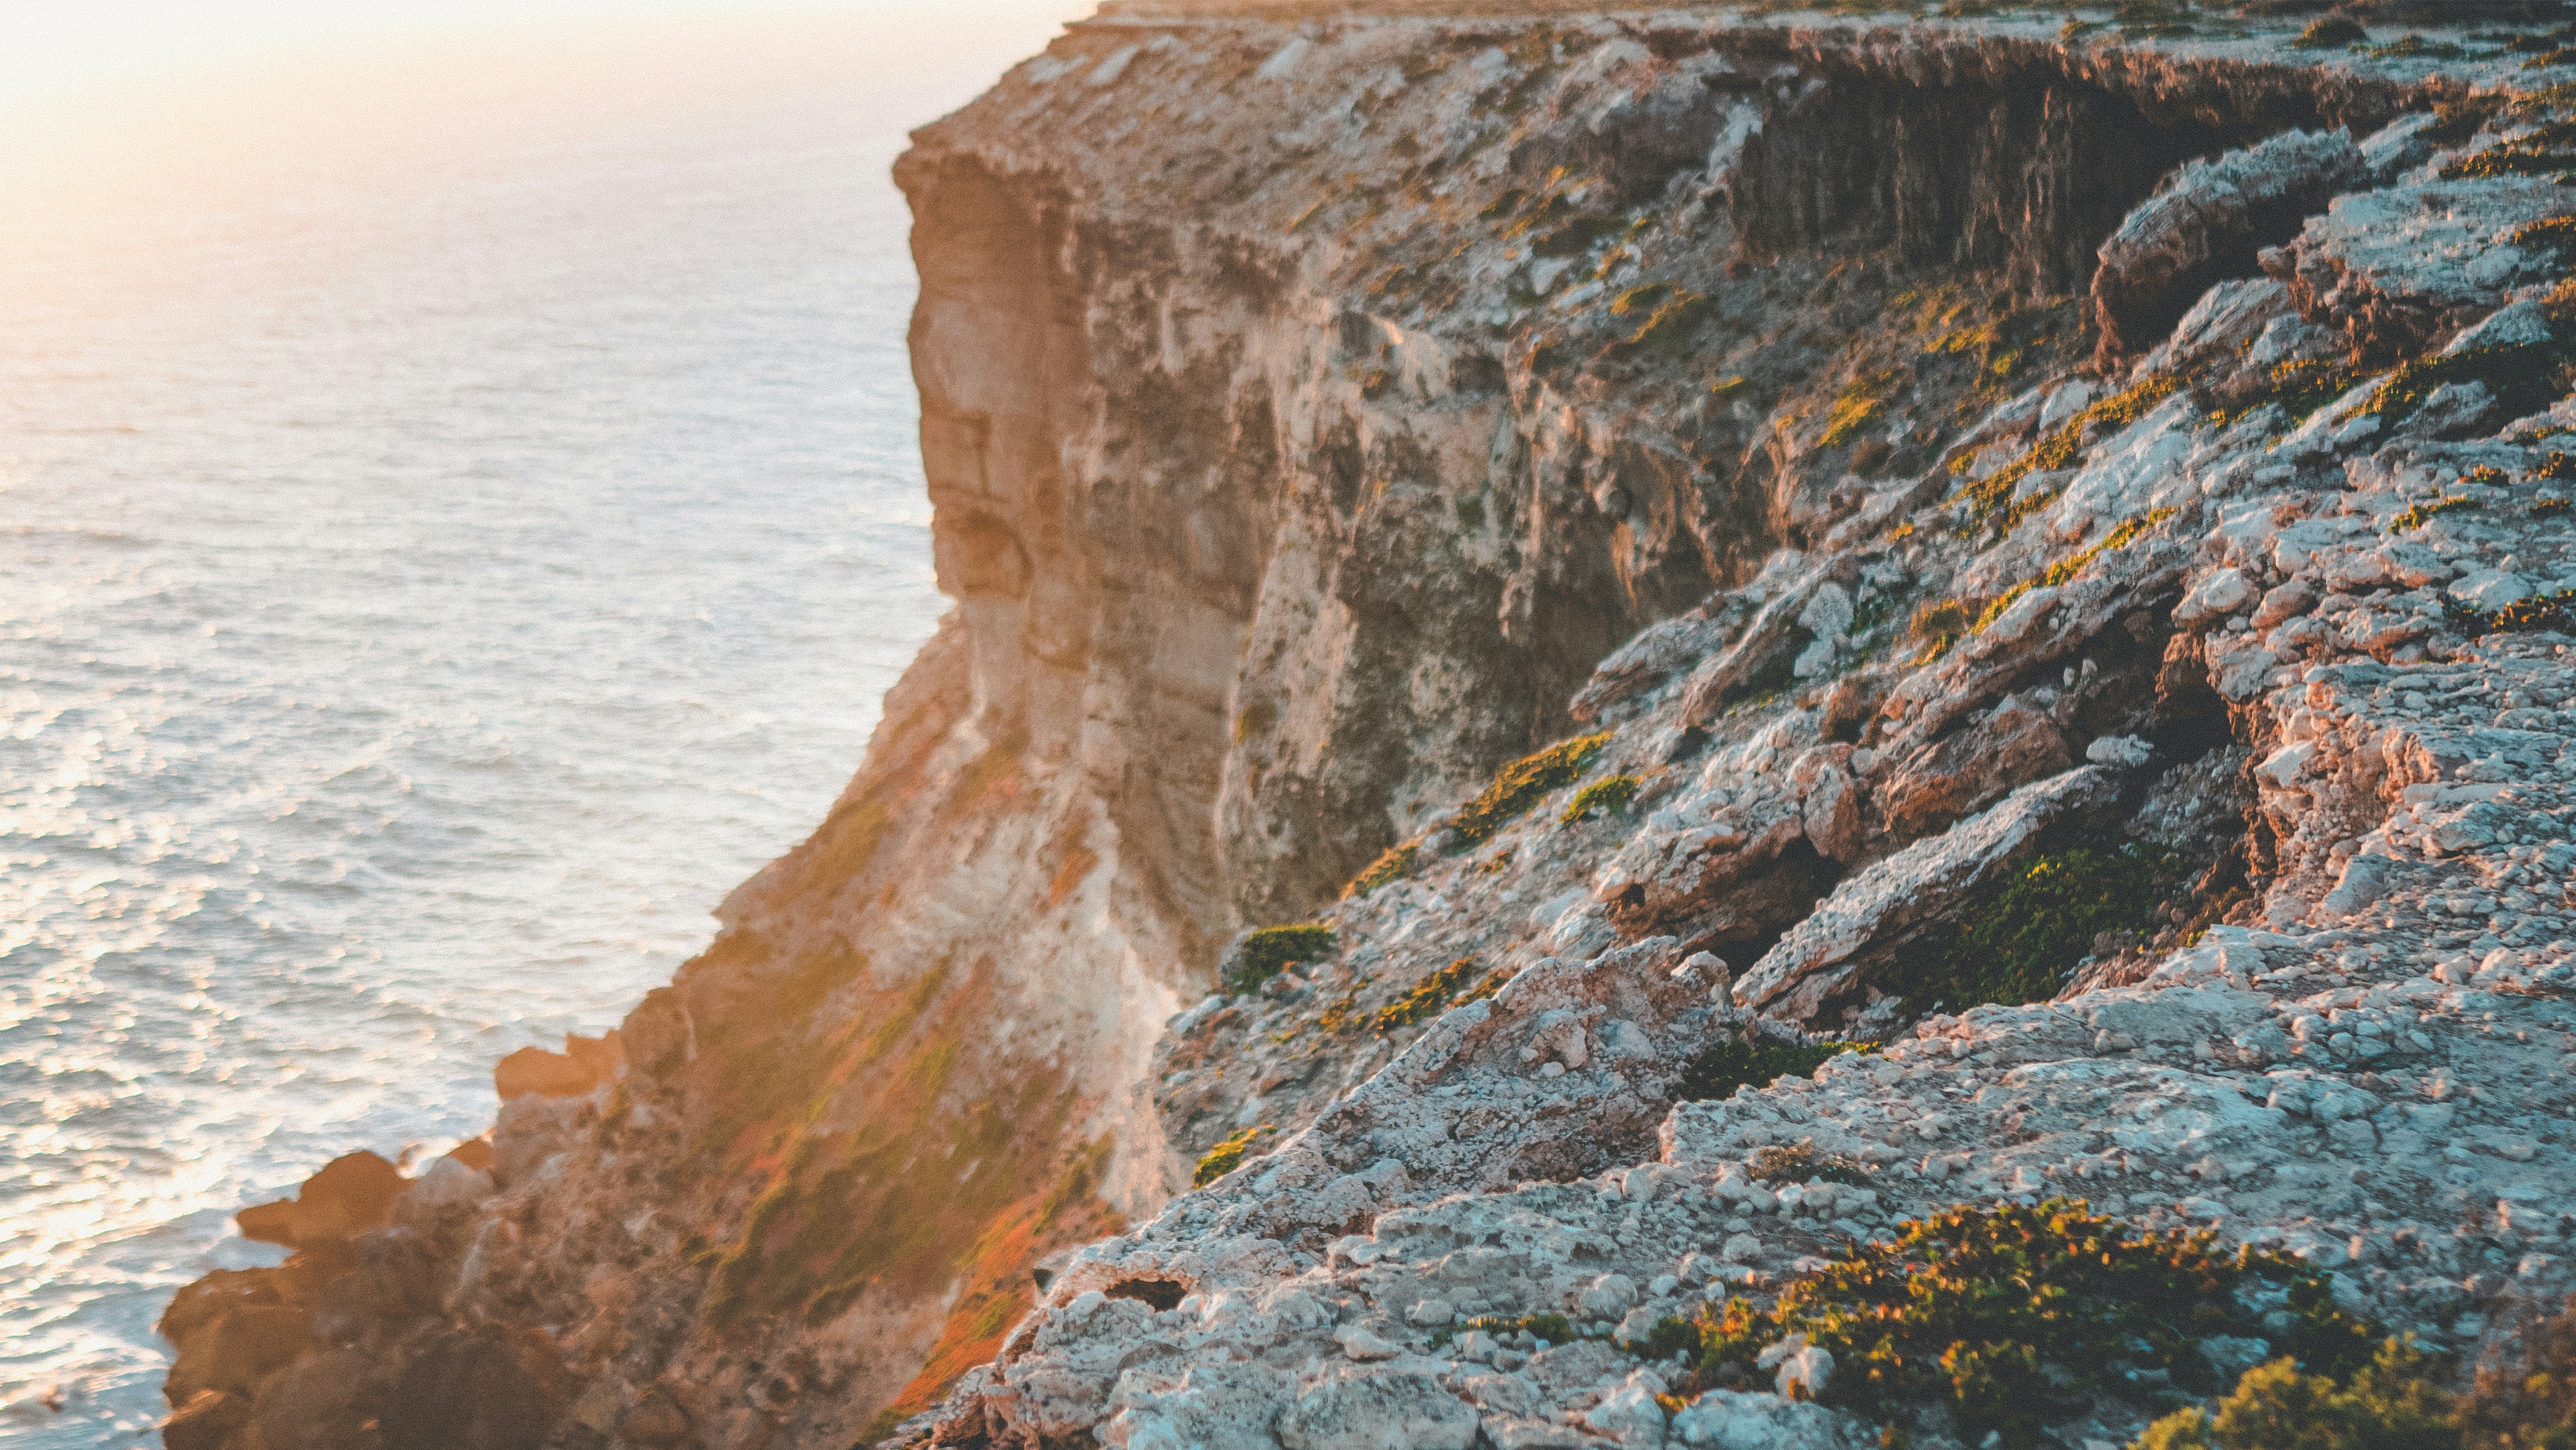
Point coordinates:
[(1272, 950), (2018, 942), (1523, 784)]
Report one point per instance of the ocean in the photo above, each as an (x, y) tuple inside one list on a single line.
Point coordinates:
[(459, 510)]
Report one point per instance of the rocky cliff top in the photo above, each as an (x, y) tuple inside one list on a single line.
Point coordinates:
[(1619, 682)]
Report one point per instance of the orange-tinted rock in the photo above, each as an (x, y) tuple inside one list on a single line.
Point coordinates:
[(476, 1389), (655, 1035), (212, 1420), (655, 1420), (327, 1401), (474, 1152), (237, 1351), (1966, 772), (212, 1297), (584, 1064), (352, 1194)]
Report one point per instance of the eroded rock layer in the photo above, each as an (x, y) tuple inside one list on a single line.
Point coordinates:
[(1661, 546)]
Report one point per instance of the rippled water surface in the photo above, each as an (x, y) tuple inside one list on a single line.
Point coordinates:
[(441, 552)]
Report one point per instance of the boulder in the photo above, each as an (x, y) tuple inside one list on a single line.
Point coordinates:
[(352, 1194), (327, 1401), (237, 1351), (655, 1420), (211, 1420), (476, 1389), (1890, 900), (1939, 783), (211, 1298), (655, 1036), (584, 1064), (2209, 222)]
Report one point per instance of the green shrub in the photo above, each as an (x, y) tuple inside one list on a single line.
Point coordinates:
[(1801, 1163), (2391, 1403), (2018, 942), (1227, 1156), (2424, 513), (1523, 784), (1272, 950), (2523, 376), (1731, 1063), (1609, 796), (2397, 1401), (1554, 1328), (2017, 1318), (2326, 34)]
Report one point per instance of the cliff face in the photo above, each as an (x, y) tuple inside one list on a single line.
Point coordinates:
[(1323, 413)]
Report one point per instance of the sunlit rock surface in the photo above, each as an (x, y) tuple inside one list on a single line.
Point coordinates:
[(1936, 460)]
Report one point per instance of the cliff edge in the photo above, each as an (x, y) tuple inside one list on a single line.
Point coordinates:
[(1596, 657)]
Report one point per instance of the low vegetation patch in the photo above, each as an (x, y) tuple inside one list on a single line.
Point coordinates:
[(1443, 989), (2413, 47), (1523, 784), (2523, 616), (2074, 564), (1272, 950), (2401, 1400), (2298, 388), (1667, 330), (2522, 376), (2424, 513), (1862, 399), (1228, 1155), (1393, 865), (2019, 941), (1993, 494), (1801, 1163), (1936, 625), (2017, 1318), (1609, 796), (2331, 33), (2544, 152), (1732, 1062)]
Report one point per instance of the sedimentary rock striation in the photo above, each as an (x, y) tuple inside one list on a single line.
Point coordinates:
[(1673, 543)]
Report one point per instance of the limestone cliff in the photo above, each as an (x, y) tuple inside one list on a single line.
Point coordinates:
[(1680, 514)]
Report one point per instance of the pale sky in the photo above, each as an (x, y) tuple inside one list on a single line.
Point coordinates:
[(89, 86), (53, 48)]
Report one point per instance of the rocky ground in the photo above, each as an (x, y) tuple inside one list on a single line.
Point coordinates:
[(2279, 593), (2029, 551)]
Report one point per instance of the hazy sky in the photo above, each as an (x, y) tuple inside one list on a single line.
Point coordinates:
[(95, 90), (51, 48)]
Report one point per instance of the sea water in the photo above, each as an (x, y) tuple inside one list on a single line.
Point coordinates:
[(458, 513)]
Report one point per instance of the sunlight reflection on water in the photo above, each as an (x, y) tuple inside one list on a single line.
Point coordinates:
[(432, 572)]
